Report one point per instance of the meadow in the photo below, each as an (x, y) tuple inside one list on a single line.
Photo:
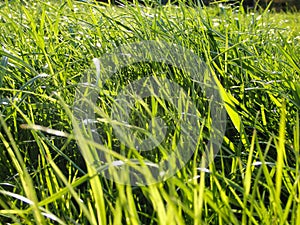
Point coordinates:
[(254, 57)]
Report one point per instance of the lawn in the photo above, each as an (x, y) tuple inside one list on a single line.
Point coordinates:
[(72, 152)]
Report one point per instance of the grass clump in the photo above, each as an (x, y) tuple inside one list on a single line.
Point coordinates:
[(46, 48)]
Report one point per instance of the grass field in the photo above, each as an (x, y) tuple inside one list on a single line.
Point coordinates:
[(46, 48)]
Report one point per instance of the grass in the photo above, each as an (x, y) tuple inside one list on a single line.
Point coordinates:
[(47, 47)]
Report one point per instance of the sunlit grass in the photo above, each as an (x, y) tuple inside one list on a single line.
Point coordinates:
[(47, 46)]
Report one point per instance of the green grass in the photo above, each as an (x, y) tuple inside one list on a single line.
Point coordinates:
[(46, 48)]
